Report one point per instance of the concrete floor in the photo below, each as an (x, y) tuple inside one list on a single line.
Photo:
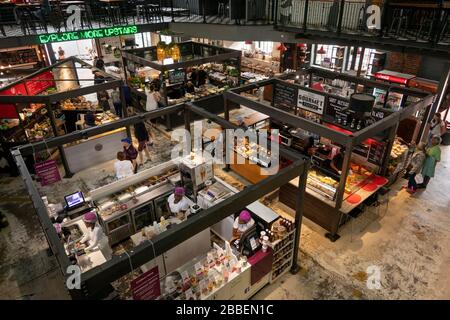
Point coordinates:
[(408, 239)]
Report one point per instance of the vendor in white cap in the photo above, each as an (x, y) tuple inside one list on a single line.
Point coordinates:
[(95, 236)]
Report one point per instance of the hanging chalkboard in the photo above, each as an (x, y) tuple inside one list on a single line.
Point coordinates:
[(285, 96), (176, 76), (338, 107)]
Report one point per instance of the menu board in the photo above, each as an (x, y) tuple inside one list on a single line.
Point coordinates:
[(285, 96), (147, 286), (176, 76), (336, 105), (39, 83), (311, 101), (48, 172)]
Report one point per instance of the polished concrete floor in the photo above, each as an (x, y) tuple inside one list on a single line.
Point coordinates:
[(406, 239)]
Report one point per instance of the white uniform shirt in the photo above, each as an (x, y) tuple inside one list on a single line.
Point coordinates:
[(123, 169), (242, 227), (182, 205), (151, 103), (96, 237)]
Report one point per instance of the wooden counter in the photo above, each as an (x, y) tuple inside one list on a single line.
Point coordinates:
[(247, 169)]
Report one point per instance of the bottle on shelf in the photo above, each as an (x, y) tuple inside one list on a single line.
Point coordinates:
[(352, 125)]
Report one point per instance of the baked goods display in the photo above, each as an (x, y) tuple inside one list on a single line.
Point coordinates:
[(79, 103)]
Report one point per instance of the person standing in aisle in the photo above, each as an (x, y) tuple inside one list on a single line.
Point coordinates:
[(117, 102), (433, 157), (130, 152), (319, 85), (417, 162), (153, 97), (143, 138), (123, 167)]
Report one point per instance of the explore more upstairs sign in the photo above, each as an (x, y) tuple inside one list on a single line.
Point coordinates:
[(87, 34)]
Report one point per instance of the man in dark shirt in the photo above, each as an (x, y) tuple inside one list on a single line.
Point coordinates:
[(89, 119), (130, 152)]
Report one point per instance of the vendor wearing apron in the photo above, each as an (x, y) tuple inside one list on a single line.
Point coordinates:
[(95, 236), (242, 223), (178, 204)]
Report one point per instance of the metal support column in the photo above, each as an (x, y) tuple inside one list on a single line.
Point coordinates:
[(62, 153), (299, 216), (361, 58), (123, 101), (225, 141), (439, 98), (341, 14), (387, 153), (305, 16)]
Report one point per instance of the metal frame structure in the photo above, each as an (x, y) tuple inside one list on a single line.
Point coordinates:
[(95, 280), (222, 54), (349, 141), (111, 82)]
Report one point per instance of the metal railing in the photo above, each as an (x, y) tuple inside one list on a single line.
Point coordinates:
[(423, 22)]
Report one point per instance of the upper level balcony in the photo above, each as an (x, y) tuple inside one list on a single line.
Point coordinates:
[(388, 24)]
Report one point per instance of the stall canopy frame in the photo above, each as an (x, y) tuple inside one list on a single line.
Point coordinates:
[(222, 55), (111, 82), (95, 280), (349, 141)]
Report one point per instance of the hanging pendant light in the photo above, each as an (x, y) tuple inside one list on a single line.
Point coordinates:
[(321, 50), (161, 51), (175, 52), (248, 42), (301, 45)]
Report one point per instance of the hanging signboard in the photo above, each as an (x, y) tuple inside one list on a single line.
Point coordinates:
[(48, 172), (176, 76), (147, 285), (285, 96), (311, 101)]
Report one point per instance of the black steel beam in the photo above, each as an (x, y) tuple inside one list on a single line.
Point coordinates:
[(289, 119), (112, 270), (86, 133), (254, 85)]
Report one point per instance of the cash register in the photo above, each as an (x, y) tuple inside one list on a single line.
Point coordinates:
[(75, 205)]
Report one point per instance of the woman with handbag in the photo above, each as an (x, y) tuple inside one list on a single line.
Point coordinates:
[(433, 157)]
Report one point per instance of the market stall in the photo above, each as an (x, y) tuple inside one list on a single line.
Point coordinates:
[(132, 209), (52, 102), (326, 126), (168, 68)]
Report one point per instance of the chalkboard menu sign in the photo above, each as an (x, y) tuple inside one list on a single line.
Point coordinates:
[(285, 96), (379, 113), (176, 76), (336, 105)]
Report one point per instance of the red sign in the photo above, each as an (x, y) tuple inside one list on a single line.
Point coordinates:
[(147, 285), (389, 78), (39, 83), (48, 172), (8, 110)]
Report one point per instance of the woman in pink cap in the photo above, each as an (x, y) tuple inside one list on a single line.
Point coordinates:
[(95, 236), (242, 223), (178, 204)]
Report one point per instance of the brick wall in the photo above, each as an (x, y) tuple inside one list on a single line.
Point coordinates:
[(403, 62)]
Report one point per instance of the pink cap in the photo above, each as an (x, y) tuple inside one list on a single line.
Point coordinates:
[(90, 217), (245, 216), (179, 191)]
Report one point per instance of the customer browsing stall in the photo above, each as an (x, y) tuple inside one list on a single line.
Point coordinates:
[(123, 167), (178, 204), (417, 162), (429, 166), (143, 138), (95, 236), (242, 223)]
